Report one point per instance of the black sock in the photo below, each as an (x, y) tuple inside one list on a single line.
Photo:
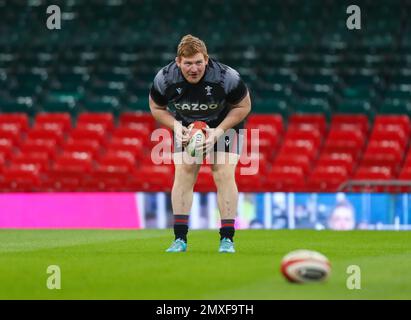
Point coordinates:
[(227, 229), (181, 226)]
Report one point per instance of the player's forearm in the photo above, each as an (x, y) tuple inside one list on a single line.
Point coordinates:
[(234, 117), (164, 117)]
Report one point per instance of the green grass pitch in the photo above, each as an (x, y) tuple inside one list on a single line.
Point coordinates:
[(132, 264)]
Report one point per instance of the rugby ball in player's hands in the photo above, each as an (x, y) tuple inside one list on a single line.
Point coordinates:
[(301, 266), (197, 136)]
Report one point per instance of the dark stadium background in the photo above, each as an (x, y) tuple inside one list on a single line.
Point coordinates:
[(332, 107)]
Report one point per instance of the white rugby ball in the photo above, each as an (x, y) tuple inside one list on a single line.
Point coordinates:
[(303, 266), (197, 138)]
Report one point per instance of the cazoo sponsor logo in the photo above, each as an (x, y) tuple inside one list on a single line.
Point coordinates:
[(195, 106)]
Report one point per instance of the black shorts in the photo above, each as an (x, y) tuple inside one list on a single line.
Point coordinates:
[(230, 142)]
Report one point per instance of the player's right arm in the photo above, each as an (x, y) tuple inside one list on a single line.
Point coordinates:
[(158, 107), (161, 114), (164, 117)]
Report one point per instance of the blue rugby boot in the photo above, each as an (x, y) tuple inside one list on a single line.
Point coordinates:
[(226, 246), (178, 245)]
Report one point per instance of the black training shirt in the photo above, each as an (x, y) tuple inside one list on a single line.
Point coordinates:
[(208, 100)]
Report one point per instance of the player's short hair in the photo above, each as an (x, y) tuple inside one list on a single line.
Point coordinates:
[(190, 45)]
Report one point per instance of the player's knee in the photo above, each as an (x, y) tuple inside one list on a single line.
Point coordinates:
[(223, 175), (185, 175), (189, 170)]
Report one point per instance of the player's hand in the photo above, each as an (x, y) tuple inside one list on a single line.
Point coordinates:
[(212, 135), (182, 134)]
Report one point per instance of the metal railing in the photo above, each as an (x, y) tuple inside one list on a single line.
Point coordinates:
[(376, 185)]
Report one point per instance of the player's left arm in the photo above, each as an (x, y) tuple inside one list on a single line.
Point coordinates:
[(238, 98), (237, 113)]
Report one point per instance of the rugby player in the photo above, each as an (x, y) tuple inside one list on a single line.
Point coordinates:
[(192, 88)]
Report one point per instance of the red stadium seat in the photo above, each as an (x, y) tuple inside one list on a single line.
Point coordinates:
[(388, 147), (72, 163), (58, 179), (348, 136), (111, 177), (304, 131), (344, 141), (40, 159), (337, 147), (267, 141), (155, 178), (162, 158), (125, 159), (21, 119), (43, 133), (299, 160), (285, 178), (299, 146), (103, 118), (99, 127), (91, 146), (133, 145), (360, 121), (265, 144), (314, 119), (39, 146), (327, 178), (76, 159), (69, 170), (21, 178), (381, 159), (373, 173), (6, 147), (265, 129), (143, 127), (348, 127), (248, 162), (94, 132), (14, 127), (402, 120), (265, 122), (63, 119), (146, 118), (247, 182), (11, 132), (390, 132), (48, 126), (337, 159), (132, 132)]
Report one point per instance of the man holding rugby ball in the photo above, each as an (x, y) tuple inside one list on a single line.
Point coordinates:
[(193, 88)]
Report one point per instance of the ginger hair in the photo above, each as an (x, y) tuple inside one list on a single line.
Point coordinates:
[(190, 45)]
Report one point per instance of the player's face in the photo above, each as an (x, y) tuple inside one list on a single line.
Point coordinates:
[(193, 68)]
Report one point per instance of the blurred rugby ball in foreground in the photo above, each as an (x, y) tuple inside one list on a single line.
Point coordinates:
[(197, 137), (302, 266)]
